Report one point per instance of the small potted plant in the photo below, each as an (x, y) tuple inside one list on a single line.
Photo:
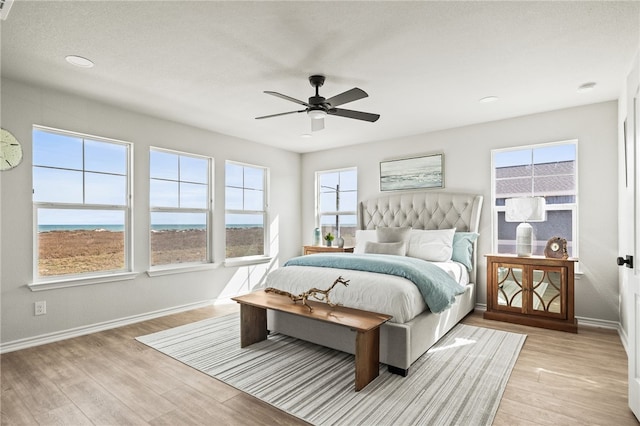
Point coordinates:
[(329, 238)]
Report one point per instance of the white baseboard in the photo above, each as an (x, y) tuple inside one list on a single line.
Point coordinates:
[(43, 339), (594, 322), (625, 339)]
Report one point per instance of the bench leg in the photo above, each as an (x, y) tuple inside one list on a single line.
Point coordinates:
[(253, 325), (367, 357)]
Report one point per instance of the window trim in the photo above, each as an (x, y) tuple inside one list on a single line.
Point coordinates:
[(171, 268), (71, 280), (77, 281), (574, 207), (266, 251)]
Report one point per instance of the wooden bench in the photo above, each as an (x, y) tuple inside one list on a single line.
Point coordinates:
[(253, 326)]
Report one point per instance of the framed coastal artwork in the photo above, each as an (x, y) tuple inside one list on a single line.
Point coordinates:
[(422, 172)]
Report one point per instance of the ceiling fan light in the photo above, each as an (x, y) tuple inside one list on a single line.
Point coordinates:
[(317, 114)]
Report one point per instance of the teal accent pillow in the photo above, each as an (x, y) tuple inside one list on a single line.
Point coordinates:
[(463, 248)]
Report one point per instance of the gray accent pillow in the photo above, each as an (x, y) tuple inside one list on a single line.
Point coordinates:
[(396, 249), (392, 234)]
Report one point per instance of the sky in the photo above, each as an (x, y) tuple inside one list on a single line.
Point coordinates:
[(74, 170), (546, 154)]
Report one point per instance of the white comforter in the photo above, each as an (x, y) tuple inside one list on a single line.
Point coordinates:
[(386, 294)]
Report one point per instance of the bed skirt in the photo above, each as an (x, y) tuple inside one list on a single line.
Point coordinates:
[(400, 344)]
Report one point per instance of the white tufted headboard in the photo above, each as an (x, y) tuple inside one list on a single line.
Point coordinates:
[(424, 210)]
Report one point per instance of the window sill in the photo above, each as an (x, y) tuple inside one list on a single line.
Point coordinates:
[(244, 261), (76, 282), (175, 269)]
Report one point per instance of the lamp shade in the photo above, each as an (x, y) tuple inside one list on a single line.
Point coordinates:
[(525, 209)]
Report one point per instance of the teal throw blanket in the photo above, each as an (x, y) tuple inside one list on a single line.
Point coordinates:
[(437, 287)]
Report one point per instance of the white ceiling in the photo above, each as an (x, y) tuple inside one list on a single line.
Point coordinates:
[(424, 65)]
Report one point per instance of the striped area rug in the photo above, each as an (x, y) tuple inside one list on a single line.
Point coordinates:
[(459, 381)]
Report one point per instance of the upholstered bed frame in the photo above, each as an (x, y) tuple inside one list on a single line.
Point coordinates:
[(401, 344)]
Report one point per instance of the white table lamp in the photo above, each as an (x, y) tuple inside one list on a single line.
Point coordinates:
[(525, 209)]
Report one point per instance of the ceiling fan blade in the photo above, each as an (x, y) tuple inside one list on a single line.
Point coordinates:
[(282, 113), (358, 115), (317, 124), (288, 98), (348, 96)]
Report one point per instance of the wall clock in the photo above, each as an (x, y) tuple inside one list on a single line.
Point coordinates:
[(10, 151), (556, 248)]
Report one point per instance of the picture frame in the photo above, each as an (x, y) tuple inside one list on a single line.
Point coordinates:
[(423, 172)]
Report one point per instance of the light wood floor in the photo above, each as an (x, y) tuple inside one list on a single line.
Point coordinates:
[(109, 378)]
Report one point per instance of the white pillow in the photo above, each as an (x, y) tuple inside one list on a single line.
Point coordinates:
[(396, 249), (431, 245), (362, 236)]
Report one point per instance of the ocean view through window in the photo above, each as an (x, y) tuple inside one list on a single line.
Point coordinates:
[(180, 203), (81, 201), (245, 210)]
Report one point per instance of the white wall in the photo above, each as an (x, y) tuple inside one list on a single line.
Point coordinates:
[(68, 308), (468, 169)]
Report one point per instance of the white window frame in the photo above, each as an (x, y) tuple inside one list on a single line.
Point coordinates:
[(60, 281), (573, 207), (318, 192), (171, 268), (265, 256)]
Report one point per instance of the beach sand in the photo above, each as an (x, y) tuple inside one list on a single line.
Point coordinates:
[(75, 252)]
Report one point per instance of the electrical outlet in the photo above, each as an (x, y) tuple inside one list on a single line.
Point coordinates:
[(40, 308)]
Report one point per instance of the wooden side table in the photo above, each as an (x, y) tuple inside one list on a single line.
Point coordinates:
[(325, 249), (534, 290)]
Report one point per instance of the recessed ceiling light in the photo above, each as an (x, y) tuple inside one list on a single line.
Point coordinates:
[(488, 99), (79, 61), (586, 87), (306, 135)]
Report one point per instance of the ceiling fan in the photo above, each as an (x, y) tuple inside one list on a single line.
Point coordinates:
[(318, 107)]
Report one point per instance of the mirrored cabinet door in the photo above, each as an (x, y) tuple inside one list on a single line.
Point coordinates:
[(510, 286), (547, 290)]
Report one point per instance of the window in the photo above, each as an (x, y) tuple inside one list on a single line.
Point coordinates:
[(246, 210), (337, 193), (180, 204), (546, 170), (81, 201)]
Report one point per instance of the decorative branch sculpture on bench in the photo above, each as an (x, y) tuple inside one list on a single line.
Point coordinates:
[(321, 295)]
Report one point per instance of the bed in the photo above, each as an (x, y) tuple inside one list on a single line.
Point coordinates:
[(417, 217)]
